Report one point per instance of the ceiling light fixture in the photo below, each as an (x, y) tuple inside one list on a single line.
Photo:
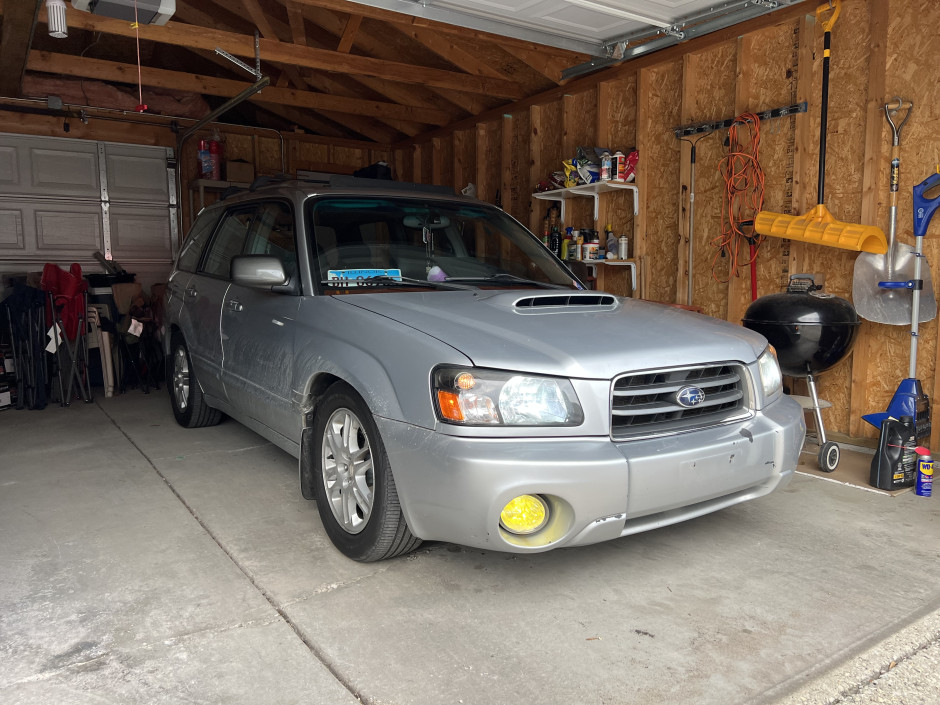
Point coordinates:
[(58, 27), (617, 12)]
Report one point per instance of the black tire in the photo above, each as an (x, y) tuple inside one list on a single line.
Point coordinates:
[(354, 487), (186, 398), (829, 456)]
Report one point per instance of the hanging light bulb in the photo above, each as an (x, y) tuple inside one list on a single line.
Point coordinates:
[(57, 25)]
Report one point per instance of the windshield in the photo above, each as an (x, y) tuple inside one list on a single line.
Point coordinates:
[(397, 240)]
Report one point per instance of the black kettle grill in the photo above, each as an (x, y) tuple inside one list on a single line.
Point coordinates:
[(811, 332)]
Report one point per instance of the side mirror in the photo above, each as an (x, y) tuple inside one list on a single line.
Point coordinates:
[(258, 271)]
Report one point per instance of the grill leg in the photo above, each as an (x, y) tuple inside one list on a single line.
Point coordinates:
[(817, 412)]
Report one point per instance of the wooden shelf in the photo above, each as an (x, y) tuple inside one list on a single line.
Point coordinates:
[(590, 191)]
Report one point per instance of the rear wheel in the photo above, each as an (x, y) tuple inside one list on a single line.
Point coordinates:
[(189, 404), (355, 491)]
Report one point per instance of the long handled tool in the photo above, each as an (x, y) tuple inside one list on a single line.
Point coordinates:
[(819, 226), (909, 399), (879, 304)]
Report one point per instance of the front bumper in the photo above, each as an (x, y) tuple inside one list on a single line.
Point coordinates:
[(453, 488)]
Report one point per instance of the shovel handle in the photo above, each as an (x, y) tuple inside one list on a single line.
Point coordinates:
[(891, 110), (836, 7)]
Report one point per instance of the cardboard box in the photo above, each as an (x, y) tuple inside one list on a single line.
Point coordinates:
[(240, 171)]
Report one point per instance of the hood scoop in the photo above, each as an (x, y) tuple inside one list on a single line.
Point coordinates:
[(579, 301)]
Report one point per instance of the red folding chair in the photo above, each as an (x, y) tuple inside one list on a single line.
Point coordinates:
[(66, 311)]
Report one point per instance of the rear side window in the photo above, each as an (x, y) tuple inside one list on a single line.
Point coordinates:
[(196, 242)]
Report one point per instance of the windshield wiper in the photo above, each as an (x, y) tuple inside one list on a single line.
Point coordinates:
[(508, 278), (391, 281)]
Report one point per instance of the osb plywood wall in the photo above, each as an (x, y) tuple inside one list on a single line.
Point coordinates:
[(879, 50)]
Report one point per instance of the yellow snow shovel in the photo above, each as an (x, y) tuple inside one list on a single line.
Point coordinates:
[(819, 226)]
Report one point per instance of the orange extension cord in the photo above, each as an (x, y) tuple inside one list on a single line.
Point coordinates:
[(743, 199)]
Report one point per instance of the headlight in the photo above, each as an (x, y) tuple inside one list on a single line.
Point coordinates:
[(480, 397), (770, 376)]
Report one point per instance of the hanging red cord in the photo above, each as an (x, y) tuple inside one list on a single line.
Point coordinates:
[(141, 106), (742, 200)]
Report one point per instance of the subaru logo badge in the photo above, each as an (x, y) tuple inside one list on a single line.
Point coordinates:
[(690, 396)]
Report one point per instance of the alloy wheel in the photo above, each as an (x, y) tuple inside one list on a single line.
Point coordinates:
[(348, 472)]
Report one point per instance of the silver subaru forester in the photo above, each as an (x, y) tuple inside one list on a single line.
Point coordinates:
[(442, 376)]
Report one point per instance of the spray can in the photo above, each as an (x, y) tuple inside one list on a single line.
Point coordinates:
[(924, 472)]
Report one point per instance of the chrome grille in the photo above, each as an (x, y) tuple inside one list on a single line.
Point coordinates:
[(644, 403)]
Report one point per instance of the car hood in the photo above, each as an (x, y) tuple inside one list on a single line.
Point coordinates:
[(588, 335)]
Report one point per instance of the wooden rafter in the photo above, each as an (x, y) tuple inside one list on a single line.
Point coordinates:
[(192, 37), (19, 22), (377, 46), (349, 33), (295, 16), (444, 46), (160, 78)]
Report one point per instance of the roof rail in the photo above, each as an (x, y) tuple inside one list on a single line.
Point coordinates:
[(343, 181)]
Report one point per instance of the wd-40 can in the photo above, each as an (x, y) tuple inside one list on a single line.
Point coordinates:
[(924, 474)]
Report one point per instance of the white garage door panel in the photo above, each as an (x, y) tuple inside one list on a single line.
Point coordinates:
[(11, 231), (140, 233), (73, 228), (134, 175), (61, 173), (48, 167), (8, 166)]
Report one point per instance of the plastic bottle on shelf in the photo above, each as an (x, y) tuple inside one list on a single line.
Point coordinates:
[(605, 166), (610, 242)]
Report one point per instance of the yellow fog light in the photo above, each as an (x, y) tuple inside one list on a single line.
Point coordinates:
[(525, 514)]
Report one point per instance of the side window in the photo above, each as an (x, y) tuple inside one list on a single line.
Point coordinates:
[(196, 242), (272, 233), (228, 242)]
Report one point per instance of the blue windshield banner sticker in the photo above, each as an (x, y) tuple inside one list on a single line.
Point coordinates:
[(360, 277)]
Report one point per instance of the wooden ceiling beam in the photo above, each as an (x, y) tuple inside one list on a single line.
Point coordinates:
[(19, 23), (68, 65), (376, 13), (192, 37), (546, 64)]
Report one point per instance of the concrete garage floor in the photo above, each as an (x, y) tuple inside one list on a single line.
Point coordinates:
[(145, 563)]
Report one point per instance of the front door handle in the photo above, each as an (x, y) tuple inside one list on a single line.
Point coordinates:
[(235, 305)]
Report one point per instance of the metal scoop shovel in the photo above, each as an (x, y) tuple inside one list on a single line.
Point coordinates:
[(879, 304)]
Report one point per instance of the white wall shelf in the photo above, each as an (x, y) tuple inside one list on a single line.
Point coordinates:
[(590, 191)]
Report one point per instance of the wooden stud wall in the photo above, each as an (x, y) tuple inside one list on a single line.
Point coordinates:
[(879, 49)]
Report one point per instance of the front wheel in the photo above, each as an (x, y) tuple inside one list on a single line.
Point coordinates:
[(355, 492), (189, 404)]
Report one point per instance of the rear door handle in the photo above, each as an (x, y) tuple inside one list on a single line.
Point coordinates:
[(191, 292), (235, 305)]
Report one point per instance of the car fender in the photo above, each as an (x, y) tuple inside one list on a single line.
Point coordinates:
[(386, 362)]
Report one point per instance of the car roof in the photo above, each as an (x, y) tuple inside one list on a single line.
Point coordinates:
[(337, 185)]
